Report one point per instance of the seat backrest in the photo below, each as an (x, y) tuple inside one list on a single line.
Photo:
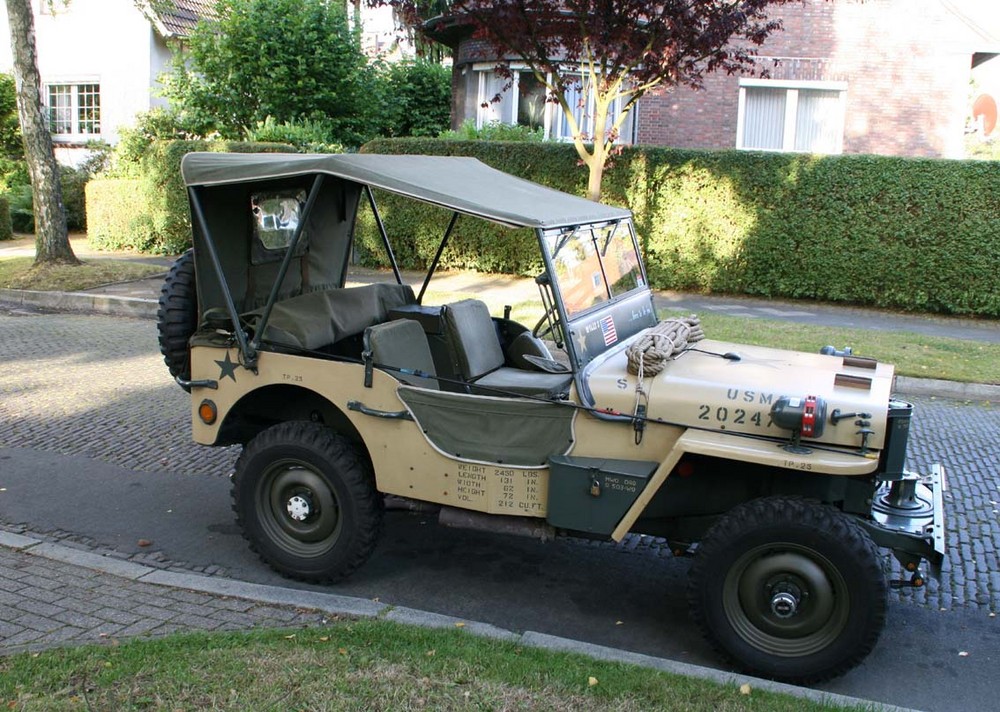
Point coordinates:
[(402, 344), (473, 338)]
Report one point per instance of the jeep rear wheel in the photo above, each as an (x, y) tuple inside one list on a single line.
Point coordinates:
[(789, 589), (177, 316), (306, 501)]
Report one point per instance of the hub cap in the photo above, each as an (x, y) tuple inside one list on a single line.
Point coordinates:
[(786, 600), (297, 508)]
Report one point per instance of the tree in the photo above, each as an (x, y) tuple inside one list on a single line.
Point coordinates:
[(51, 236), (291, 60), (609, 50)]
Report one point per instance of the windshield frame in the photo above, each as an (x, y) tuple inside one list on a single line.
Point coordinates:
[(578, 320)]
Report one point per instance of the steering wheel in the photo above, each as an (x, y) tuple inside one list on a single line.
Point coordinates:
[(548, 324)]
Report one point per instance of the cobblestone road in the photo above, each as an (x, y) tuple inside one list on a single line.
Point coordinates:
[(95, 386)]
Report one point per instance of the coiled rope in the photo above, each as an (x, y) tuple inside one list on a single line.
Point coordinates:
[(648, 355)]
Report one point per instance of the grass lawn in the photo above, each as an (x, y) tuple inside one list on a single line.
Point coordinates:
[(913, 354), (916, 355), (360, 665), (19, 273)]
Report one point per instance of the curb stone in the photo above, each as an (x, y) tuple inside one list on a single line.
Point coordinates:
[(362, 608), (82, 302)]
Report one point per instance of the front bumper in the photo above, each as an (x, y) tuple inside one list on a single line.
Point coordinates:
[(908, 518)]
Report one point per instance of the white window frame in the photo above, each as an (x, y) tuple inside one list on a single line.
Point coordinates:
[(552, 117), (792, 88), (75, 134)]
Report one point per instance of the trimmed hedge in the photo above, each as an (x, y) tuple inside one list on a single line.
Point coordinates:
[(6, 228), (150, 212), (901, 233)]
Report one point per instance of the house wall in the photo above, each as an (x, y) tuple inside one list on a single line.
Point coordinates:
[(102, 41), (906, 64)]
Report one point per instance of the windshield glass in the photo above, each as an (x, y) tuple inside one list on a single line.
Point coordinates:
[(594, 263)]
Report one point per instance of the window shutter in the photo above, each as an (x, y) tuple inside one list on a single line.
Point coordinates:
[(817, 126), (764, 118)]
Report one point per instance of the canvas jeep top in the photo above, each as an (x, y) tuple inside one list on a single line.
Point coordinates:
[(781, 473)]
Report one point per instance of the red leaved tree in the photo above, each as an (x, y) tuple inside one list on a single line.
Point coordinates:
[(605, 51)]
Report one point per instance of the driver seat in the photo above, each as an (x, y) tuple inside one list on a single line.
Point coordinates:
[(480, 360)]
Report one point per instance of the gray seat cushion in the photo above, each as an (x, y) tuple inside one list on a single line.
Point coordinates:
[(318, 319), (480, 358), (402, 344)]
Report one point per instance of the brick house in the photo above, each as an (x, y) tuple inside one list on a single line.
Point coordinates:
[(845, 76)]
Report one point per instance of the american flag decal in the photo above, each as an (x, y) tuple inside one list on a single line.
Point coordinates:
[(608, 329)]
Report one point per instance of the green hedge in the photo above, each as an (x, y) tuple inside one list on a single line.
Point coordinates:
[(901, 233), (6, 228), (150, 212)]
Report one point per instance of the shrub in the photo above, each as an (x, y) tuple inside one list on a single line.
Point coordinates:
[(6, 228), (493, 131), (305, 136), (417, 98), (22, 215), (900, 233), (146, 208)]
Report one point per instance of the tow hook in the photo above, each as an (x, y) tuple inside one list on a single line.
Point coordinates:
[(917, 580)]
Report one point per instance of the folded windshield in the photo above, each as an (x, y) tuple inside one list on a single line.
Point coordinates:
[(594, 263)]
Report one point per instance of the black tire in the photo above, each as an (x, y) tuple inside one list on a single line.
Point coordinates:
[(306, 501), (177, 316), (789, 589)]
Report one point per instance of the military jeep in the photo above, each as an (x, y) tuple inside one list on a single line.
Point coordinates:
[(781, 473)]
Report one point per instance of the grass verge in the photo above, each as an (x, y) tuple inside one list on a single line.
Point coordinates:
[(359, 665), (20, 273), (916, 355)]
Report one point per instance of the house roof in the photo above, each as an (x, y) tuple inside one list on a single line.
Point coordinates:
[(464, 185), (176, 18)]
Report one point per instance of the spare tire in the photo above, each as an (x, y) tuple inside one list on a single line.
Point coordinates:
[(177, 316)]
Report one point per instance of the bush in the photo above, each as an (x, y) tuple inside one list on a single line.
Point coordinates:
[(305, 136), (417, 98), (73, 182), (146, 208), (6, 228), (22, 215), (493, 131), (900, 233)]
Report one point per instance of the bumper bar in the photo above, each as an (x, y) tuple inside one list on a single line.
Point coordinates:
[(908, 517)]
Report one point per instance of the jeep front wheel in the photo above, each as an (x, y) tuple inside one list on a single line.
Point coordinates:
[(306, 501), (789, 589)]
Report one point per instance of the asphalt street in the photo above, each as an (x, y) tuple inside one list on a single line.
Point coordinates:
[(95, 451)]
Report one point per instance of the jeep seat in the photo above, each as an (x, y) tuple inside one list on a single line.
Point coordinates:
[(480, 358), (401, 344)]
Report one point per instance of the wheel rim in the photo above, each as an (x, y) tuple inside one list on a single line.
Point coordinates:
[(297, 509), (786, 600)]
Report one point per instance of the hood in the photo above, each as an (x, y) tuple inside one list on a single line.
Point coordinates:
[(702, 389)]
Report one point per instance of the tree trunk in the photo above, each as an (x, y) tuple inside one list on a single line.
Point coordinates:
[(51, 237)]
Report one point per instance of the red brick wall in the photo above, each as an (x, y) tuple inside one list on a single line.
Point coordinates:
[(906, 64)]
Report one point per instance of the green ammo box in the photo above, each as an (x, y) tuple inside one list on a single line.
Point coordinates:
[(592, 494)]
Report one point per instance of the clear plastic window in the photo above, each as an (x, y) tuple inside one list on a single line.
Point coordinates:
[(276, 217)]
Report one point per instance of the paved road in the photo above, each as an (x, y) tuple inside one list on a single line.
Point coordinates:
[(95, 451)]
